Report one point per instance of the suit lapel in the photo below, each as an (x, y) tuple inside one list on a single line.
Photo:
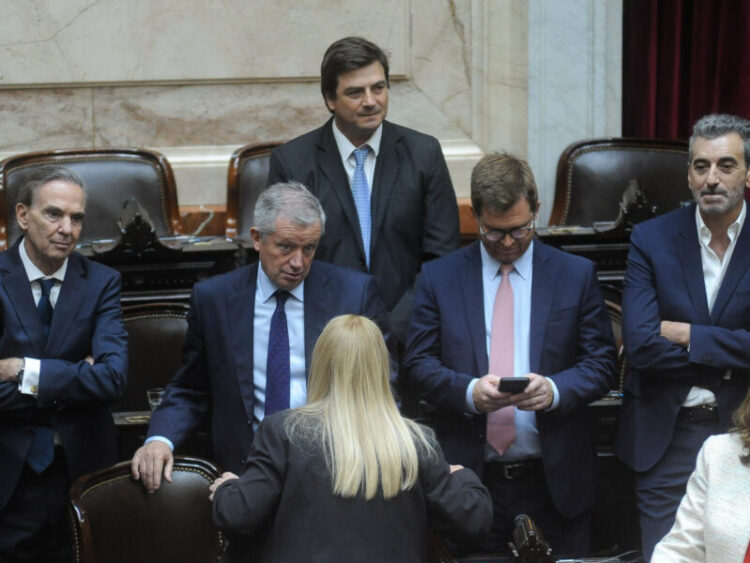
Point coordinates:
[(542, 289), (17, 286), (688, 249), (387, 168), (68, 303), (329, 162), (318, 310), (472, 295), (239, 316), (736, 269)]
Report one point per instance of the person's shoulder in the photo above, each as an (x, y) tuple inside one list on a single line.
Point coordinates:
[(456, 258), (304, 141), (410, 135), (667, 222), (347, 277), (93, 269), (721, 445), (221, 283), (561, 258)]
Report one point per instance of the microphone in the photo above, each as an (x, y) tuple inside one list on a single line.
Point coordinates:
[(528, 545)]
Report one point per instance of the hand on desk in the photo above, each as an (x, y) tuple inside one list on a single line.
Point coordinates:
[(149, 462)]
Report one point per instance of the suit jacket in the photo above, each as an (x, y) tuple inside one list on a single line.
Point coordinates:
[(570, 341), (216, 378), (664, 281), (414, 210), (713, 521), (287, 487), (74, 396)]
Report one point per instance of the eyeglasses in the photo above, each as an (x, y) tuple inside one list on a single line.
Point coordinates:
[(496, 235)]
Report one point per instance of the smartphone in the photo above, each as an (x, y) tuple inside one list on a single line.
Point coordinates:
[(512, 385)]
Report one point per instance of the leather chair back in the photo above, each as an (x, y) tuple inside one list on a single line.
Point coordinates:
[(248, 174), (110, 176), (117, 521), (156, 334), (593, 174)]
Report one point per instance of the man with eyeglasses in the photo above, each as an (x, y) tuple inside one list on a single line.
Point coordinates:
[(505, 306)]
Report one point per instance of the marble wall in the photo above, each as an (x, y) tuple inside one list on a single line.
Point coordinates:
[(197, 83)]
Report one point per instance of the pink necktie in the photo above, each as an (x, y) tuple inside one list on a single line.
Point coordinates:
[(501, 426)]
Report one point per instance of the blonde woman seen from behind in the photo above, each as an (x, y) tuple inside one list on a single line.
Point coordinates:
[(346, 477)]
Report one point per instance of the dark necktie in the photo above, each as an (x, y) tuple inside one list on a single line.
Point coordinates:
[(42, 450), (277, 366), (44, 307)]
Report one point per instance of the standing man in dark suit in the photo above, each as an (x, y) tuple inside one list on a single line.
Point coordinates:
[(686, 323), (385, 188), (227, 370), (64, 358), (505, 306)]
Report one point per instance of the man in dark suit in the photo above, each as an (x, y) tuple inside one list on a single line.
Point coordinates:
[(226, 372), (512, 306), (385, 188), (686, 298), (64, 360)]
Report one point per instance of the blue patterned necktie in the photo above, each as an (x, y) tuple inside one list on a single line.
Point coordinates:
[(42, 449), (277, 363), (361, 193)]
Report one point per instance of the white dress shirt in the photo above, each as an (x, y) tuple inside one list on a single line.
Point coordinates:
[(714, 269), (265, 305), (32, 366), (346, 150), (526, 444)]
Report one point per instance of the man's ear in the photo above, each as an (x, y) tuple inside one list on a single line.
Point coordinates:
[(22, 216), (255, 235)]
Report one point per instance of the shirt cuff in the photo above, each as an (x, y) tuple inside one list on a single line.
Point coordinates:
[(555, 397), (31, 369), (470, 397), (163, 439)]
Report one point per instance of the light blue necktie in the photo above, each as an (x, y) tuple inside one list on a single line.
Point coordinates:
[(361, 193)]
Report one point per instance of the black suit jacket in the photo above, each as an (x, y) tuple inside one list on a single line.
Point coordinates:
[(74, 397), (414, 210), (216, 378), (287, 487)]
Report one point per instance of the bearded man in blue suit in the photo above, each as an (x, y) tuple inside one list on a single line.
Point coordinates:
[(561, 340), (63, 362), (225, 373), (686, 323)]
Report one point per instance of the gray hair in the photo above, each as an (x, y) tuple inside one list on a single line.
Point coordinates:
[(291, 200), (720, 124), (44, 175)]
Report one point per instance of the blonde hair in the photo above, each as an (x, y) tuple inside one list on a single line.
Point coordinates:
[(351, 414), (741, 419)]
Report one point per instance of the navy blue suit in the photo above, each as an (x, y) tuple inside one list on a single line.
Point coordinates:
[(74, 396), (570, 341), (414, 210), (216, 378), (664, 281)]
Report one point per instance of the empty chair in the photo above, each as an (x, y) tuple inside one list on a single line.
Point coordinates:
[(593, 174), (248, 173), (156, 333), (116, 521), (110, 176)]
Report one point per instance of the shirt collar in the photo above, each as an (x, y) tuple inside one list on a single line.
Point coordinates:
[(34, 273), (704, 234), (345, 146), (522, 265), (266, 287)]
